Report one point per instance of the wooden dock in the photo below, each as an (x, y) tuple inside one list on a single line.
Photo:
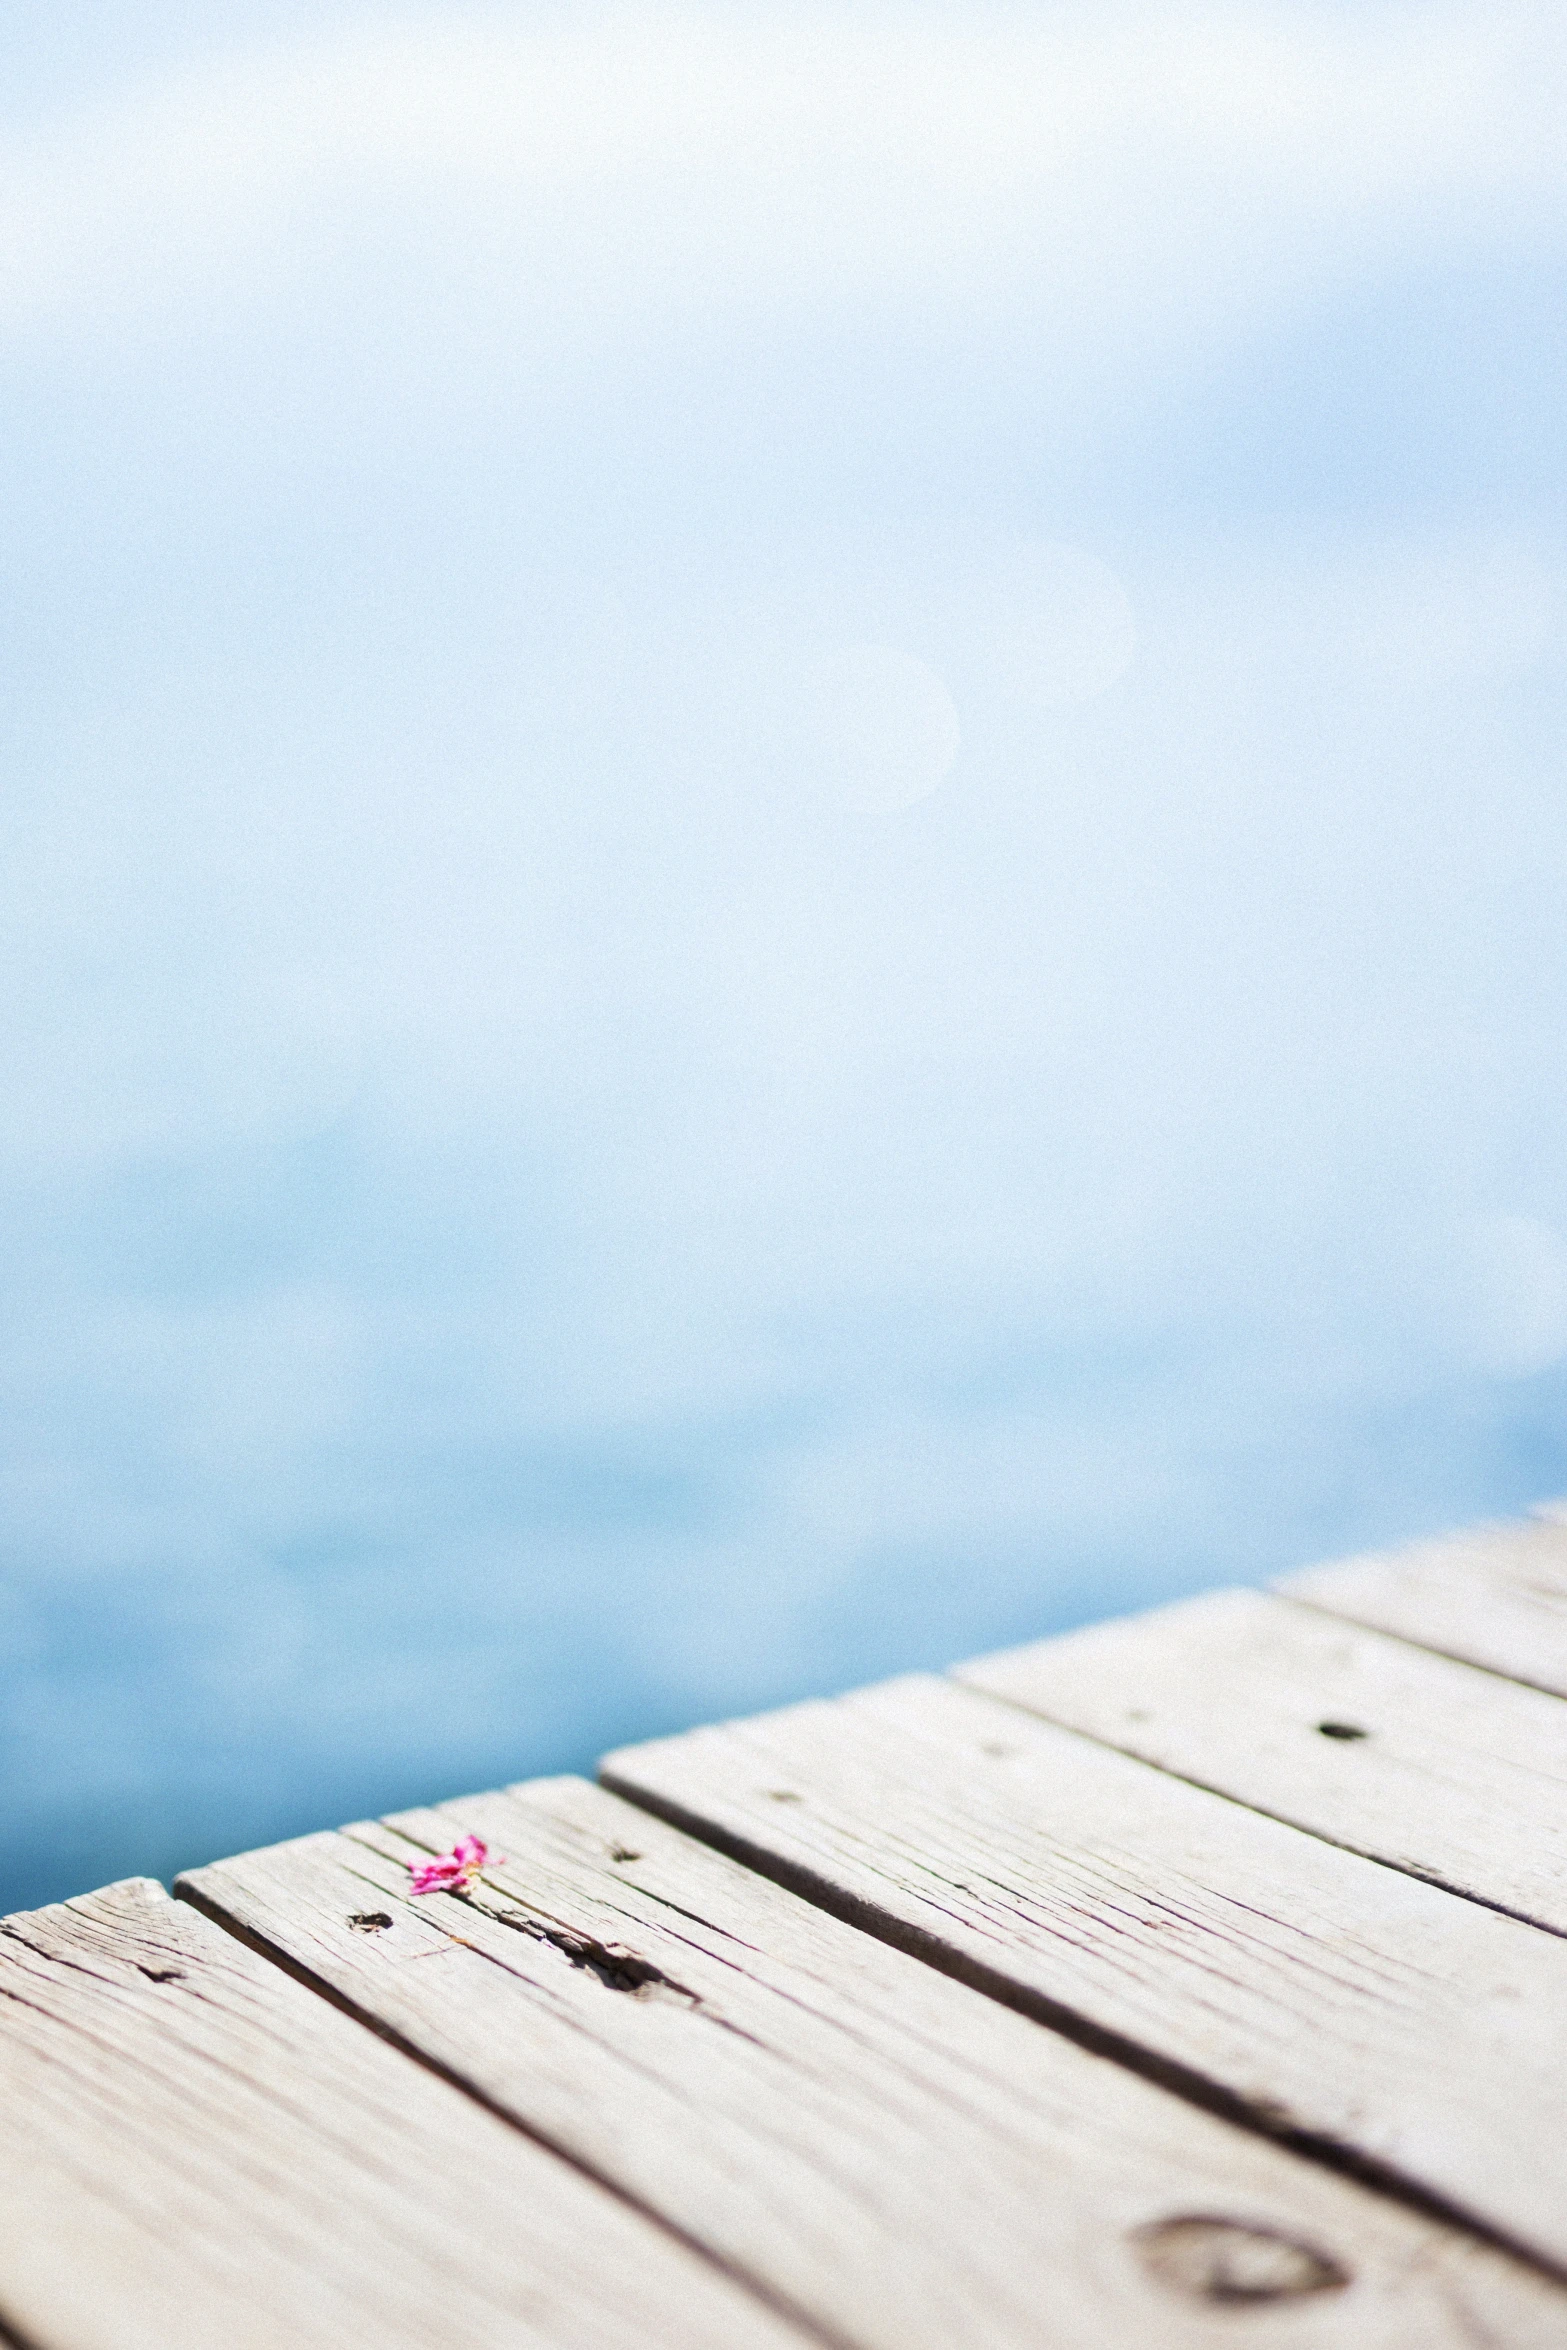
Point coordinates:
[(1197, 1979)]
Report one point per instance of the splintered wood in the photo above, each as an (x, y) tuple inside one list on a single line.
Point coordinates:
[(1188, 1981)]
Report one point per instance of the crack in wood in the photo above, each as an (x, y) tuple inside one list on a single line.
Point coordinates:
[(610, 1963)]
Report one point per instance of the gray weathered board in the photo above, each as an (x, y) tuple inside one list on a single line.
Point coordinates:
[(1321, 1993), (908, 2163), (1454, 1774), (198, 2152), (1495, 1596), (1021, 2011)]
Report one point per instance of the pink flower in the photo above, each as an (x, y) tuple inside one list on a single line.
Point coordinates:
[(454, 1871)]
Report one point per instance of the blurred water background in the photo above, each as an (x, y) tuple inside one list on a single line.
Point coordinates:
[(783, 855)]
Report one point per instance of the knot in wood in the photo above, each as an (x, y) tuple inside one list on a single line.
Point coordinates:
[(1227, 2260)]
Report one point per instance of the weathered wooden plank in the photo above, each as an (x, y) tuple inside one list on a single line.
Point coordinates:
[(1329, 1996), (1435, 1767), (197, 2151), (1494, 1596), (908, 2161)]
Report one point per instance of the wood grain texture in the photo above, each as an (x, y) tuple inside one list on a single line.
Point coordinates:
[(198, 2151), (904, 2159), (1330, 1996), (1495, 1596), (1431, 1766)]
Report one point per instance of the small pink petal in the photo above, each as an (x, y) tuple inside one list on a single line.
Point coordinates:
[(451, 1872)]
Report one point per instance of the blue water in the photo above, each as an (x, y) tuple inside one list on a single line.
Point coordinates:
[(781, 837)]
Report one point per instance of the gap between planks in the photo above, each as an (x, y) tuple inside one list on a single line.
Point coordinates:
[(196, 1896), (904, 2158), (1437, 1768), (1366, 2017), (1493, 1596), (199, 2150)]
